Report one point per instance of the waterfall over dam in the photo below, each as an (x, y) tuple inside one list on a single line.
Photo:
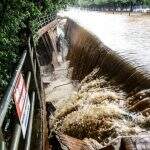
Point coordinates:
[(91, 52), (121, 54), (100, 95)]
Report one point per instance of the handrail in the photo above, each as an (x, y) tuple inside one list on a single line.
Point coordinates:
[(28, 137), (7, 98), (16, 138), (46, 19), (17, 133), (30, 68)]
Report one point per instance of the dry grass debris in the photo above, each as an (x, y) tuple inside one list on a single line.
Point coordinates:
[(98, 111)]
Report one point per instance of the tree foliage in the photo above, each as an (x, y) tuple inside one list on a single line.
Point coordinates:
[(146, 2), (15, 18), (114, 2)]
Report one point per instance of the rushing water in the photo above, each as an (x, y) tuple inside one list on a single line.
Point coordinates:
[(129, 36), (99, 108), (98, 111)]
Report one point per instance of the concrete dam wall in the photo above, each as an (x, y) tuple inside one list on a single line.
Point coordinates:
[(99, 97), (86, 52)]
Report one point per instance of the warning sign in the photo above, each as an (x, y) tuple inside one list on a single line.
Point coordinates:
[(22, 103)]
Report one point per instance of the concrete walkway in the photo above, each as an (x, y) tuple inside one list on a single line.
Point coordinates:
[(60, 86)]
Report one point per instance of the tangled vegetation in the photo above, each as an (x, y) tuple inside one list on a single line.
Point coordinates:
[(17, 21)]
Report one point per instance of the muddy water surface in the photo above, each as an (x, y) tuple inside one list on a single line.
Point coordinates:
[(129, 36), (99, 108)]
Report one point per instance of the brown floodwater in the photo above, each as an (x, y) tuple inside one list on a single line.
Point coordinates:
[(98, 108), (129, 36)]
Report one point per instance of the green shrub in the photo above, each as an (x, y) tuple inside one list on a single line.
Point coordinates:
[(16, 16)]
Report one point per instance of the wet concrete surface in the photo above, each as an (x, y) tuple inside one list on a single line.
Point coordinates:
[(60, 87)]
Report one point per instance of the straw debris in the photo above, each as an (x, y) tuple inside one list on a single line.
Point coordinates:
[(98, 111)]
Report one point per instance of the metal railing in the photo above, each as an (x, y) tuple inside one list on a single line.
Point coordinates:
[(29, 67), (42, 21), (11, 136)]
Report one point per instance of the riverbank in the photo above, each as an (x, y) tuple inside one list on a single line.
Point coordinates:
[(127, 13)]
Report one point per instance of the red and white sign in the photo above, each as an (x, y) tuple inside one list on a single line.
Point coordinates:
[(22, 103)]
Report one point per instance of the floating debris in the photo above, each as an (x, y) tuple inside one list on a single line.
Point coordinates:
[(98, 111)]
